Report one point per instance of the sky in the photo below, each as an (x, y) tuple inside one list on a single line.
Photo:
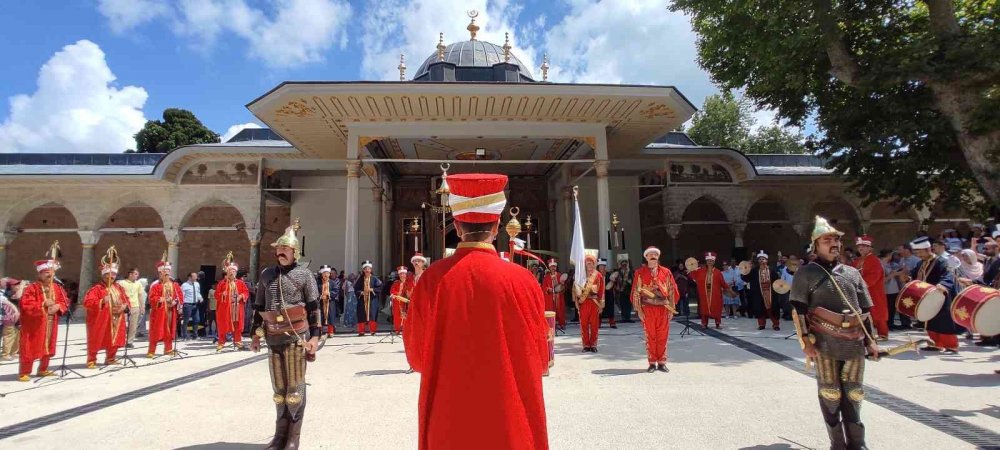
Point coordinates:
[(83, 76)]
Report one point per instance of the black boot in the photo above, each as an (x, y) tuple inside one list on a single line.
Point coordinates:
[(294, 428), (280, 433), (651, 369), (837, 439), (855, 436)]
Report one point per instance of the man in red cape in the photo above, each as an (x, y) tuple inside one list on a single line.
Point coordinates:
[(42, 303), (231, 296), (710, 284), (398, 296), (590, 304), (165, 298), (552, 286), (476, 332), (106, 303), (870, 267), (654, 296)]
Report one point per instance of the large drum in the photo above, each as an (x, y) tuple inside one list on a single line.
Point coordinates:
[(550, 319), (920, 300), (978, 309)]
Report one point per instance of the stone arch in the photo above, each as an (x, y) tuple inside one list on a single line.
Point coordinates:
[(26, 247), (200, 247), (181, 211), (140, 247), (944, 215), (770, 227), (705, 227), (108, 209), (891, 226), (16, 213)]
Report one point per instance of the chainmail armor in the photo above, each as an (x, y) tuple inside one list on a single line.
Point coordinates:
[(813, 288)]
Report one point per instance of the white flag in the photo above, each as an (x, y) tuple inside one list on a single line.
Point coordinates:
[(576, 253)]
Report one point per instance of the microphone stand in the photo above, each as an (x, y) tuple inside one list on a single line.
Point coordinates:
[(64, 370), (688, 331), (126, 359)]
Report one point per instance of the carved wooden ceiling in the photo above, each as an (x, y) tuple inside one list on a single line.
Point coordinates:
[(488, 149)]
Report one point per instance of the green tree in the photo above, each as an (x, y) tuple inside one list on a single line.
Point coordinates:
[(179, 127), (723, 121), (904, 94), (774, 139)]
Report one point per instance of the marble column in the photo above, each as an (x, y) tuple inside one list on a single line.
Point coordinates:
[(739, 230), (253, 266), (603, 208), (5, 240), (387, 237), (173, 237), (89, 240), (351, 217), (674, 230), (567, 228)]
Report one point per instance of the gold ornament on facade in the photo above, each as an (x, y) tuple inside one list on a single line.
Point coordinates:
[(297, 108), (441, 47), (513, 226), (656, 110), (402, 67), (545, 67), (506, 47), (473, 28)]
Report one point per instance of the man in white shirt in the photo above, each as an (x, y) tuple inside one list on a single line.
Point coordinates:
[(192, 299)]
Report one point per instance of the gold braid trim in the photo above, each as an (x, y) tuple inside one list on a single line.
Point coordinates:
[(462, 206)]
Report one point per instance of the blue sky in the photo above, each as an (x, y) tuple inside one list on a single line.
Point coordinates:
[(85, 74)]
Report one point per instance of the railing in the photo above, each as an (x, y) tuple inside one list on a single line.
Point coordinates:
[(80, 159)]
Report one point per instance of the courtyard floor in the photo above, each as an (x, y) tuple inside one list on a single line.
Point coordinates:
[(735, 388)]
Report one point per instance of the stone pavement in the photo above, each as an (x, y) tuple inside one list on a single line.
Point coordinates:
[(735, 389)]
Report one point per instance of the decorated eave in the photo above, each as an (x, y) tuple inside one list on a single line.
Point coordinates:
[(315, 116)]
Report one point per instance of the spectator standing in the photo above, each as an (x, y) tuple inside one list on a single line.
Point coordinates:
[(9, 317), (192, 299), (210, 317), (892, 268), (350, 301), (136, 303), (733, 279)]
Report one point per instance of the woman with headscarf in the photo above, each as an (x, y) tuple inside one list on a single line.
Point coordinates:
[(970, 266)]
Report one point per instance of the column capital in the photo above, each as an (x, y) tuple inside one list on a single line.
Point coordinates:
[(89, 238), (802, 229), (353, 168), (601, 168), (173, 236), (866, 225), (674, 230), (6, 238), (738, 229), (254, 235)]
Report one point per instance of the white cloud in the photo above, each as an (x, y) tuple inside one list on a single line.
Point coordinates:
[(76, 109), (123, 15), (237, 128), (289, 33)]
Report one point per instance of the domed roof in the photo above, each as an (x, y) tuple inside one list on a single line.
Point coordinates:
[(473, 53)]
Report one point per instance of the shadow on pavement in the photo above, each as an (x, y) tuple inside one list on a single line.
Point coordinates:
[(771, 447), (992, 411), (965, 380), (222, 446), (618, 372), (375, 373)]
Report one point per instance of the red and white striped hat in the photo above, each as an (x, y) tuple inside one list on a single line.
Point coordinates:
[(418, 257), (46, 264), (477, 197), (864, 240), (109, 268), (650, 249), (710, 256), (553, 262), (164, 266), (402, 270)]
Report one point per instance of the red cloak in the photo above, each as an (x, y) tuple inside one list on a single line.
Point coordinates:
[(99, 319), (710, 303), (160, 326), (476, 332), (874, 275), (554, 301), (33, 321), (223, 303)]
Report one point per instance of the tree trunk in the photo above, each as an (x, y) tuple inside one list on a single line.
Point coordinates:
[(981, 151)]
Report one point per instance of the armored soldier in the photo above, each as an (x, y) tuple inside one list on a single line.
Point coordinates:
[(831, 312), (287, 316)]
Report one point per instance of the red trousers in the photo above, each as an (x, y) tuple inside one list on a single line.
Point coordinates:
[(397, 317), (704, 322), (946, 341), (771, 312), (225, 326), (109, 355), (168, 345), (26, 364), (656, 323), (882, 327), (330, 329), (371, 324), (590, 322)]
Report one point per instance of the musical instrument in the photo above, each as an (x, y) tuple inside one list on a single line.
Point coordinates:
[(367, 293), (116, 307), (920, 300), (550, 320), (792, 266), (781, 287), (914, 346), (977, 308), (745, 267), (50, 299), (691, 264)]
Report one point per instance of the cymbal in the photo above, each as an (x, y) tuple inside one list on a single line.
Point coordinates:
[(745, 267), (781, 287), (691, 264)]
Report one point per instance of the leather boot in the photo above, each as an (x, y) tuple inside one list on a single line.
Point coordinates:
[(294, 429), (855, 436), (280, 433), (837, 439)]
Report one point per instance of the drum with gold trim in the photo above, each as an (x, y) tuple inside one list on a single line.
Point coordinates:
[(977, 308), (920, 300), (550, 319)]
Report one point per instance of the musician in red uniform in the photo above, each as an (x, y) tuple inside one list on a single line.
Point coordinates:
[(231, 296), (552, 286), (106, 304), (871, 270), (711, 284), (165, 299), (397, 295), (42, 303), (933, 269), (419, 265), (476, 332), (654, 297), (590, 303)]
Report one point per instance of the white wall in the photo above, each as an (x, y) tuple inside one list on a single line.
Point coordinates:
[(624, 198), (323, 222)]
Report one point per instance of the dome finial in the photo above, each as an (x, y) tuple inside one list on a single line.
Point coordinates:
[(545, 67), (473, 28), (441, 47), (506, 47), (402, 68)]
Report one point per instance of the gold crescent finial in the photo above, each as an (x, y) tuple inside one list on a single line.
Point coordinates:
[(506, 47), (545, 67), (54, 251), (402, 67), (473, 28), (229, 258), (441, 47)]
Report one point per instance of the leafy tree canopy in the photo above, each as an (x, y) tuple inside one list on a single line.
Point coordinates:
[(179, 127), (727, 121), (905, 94)]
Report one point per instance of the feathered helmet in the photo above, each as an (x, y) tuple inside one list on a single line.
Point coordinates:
[(820, 229), (229, 263), (52, 260), (289, 239), (110, 261), (163, 266)]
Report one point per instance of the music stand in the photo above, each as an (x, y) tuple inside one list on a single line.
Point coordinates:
[(64, 370), (688, 331), (126, 359)]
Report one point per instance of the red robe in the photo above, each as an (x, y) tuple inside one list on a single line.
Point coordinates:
[(477, 334), (33, 323), (590, 310), (656, 320), (709, 303), (401, 289), (554, 300), (223, 313), (99, 322), (163, 319), (874, 275)]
